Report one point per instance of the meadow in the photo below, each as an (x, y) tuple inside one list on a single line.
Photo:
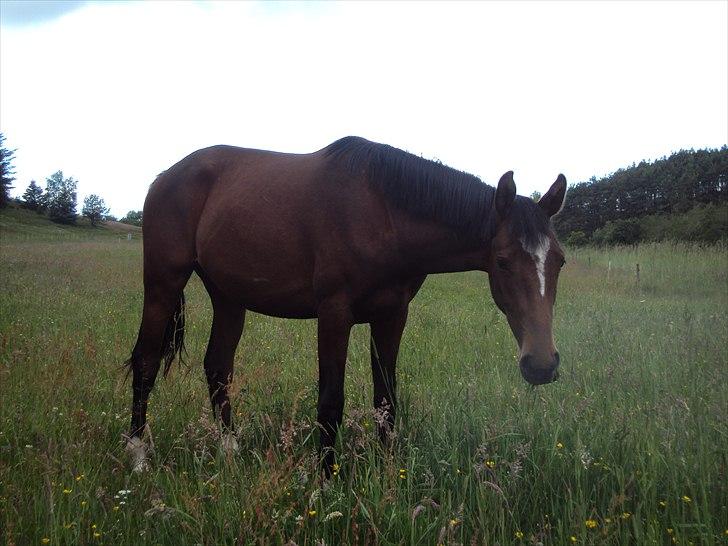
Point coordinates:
[(630, 446)]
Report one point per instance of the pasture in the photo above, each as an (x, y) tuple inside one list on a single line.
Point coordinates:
[(630, 446)]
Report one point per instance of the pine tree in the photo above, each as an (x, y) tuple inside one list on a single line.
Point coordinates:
[(7, 171), (33, 197)]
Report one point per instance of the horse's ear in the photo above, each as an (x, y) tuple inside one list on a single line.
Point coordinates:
[(553, 200), (505, 194)]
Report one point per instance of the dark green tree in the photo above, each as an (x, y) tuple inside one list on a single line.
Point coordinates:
[(7, 171), (133, 217), (33, 197), (94, 209), (60, 198), (536, 196), (669, 186)]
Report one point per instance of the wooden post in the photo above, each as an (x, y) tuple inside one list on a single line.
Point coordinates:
[(637, 270)]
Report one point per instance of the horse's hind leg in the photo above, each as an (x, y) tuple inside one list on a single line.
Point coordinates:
[(386, 337), (227, 326), (161, 300)]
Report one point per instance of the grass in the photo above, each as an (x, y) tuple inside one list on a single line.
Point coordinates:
[(629, 447)]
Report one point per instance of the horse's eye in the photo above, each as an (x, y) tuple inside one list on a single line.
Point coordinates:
[(502, 263)]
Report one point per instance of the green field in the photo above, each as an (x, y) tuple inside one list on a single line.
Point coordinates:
[(629, 447)]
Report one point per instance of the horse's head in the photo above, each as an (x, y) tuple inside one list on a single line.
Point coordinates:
[(524, 264)]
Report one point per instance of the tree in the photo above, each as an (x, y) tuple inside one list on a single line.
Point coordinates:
[(536, 196), (33, 197), (133, 217), (94, 209), (7, 171), (60, 198)]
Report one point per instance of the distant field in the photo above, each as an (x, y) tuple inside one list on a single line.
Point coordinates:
[(629, 447)]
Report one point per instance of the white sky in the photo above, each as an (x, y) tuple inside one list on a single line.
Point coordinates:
[(114, 93)]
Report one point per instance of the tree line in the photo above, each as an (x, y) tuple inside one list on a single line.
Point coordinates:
[(59, 199), (683, 196), (680, 197)]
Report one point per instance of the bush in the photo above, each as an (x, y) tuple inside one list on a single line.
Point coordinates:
[(577, 238), (619, 232)]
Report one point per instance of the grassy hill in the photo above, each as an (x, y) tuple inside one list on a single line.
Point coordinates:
[(21, 224)]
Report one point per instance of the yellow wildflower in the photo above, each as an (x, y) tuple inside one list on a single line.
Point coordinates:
[(490, 464), (80, 477), (454, 522), (519, 535), (590, 523), (626, 515), (662, 504), (686, 499), (116, 508), (572, 538), (559, 445), (312, 513), (607, 520), (97, 534), (670, 530), (67, 491)]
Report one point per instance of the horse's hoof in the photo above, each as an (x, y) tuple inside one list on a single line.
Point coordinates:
[(137, 450), (229, 444)]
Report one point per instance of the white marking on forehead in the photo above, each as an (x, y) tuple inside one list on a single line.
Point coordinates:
[(539, 253)]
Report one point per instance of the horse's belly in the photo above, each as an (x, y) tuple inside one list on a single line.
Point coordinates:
[(266, 280)]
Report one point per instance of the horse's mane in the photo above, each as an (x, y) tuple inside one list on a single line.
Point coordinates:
[(431, 190)]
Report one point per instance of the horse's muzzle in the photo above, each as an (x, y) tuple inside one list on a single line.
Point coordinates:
[(539, 375)]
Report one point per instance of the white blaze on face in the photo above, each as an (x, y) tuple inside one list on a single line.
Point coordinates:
[(539, 253)]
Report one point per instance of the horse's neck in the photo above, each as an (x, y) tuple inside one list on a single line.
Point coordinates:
[(430, 247)]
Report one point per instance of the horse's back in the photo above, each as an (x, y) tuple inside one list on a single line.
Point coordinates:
[(277, 232)]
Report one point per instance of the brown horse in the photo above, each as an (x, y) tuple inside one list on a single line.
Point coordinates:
[(345, 235)]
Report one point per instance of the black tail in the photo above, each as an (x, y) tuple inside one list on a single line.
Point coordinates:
[(173, 343)]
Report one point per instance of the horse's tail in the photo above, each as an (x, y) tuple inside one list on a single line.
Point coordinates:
[(173, 343)]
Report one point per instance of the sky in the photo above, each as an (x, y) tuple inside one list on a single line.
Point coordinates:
[(113, 93)]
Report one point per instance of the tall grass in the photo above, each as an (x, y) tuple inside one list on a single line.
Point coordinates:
[(629, 447)]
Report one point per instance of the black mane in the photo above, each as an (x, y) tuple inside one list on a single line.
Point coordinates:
[(431, 190)]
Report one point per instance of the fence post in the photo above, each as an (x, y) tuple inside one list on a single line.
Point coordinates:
[(637, 271)]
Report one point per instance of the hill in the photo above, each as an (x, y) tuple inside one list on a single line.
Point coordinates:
[(18, 223)]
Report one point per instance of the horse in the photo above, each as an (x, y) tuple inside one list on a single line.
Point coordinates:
[(345, 235)]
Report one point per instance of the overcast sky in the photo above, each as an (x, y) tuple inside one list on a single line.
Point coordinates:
[(114, 93)]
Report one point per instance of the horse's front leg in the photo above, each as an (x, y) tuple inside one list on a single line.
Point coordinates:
[(385, 340), (334, 326)]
